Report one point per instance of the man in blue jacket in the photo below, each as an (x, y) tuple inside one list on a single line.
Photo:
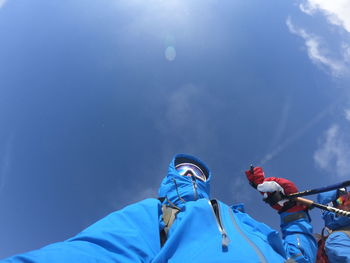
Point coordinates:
[(184, 225), (337, 245)]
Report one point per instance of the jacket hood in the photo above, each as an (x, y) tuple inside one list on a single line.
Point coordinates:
[(332, 220), (179, 189)]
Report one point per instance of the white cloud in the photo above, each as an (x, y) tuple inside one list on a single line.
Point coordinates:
[(2, 2), (318, 53), (336, 11), (333, 154)]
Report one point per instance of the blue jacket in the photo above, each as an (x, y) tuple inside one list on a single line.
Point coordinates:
[(204, 231), (338, 243)]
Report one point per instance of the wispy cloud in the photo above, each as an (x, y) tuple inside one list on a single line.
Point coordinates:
[(182, 113), (347, 114), (336, 11), (5, 162), (333, 154), (318, 52), (282, 124), (148, 192), (296, 135), (2, 2), (241, 191), (346, 52), (330, 50)]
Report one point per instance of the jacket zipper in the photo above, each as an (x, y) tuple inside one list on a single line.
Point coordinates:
[(239, 230), (225, 240), (194, 187)]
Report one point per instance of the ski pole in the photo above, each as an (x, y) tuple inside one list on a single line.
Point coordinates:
[(311, 204), (321, 189)]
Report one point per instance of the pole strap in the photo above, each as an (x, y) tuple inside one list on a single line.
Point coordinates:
[(295, 216)]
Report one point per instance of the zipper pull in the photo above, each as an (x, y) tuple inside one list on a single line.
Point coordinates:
[(225, 240)]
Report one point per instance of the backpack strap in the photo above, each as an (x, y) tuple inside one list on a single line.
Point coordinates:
[(321, 256), (169, 216), (321, 252)]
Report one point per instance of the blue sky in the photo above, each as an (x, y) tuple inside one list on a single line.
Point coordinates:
[(97, 96)]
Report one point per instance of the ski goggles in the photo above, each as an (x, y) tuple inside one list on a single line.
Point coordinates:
[(343, 200), (189, 169)]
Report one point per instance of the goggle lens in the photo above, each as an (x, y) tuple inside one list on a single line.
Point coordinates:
[(188, 169)]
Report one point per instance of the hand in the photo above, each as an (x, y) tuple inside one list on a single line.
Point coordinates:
[(274, 189)]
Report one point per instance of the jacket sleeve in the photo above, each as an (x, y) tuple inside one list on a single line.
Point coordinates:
[(298, 240), (128, 235), (338, 247)]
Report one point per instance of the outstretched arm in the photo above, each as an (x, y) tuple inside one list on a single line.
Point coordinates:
[(128, 235)]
